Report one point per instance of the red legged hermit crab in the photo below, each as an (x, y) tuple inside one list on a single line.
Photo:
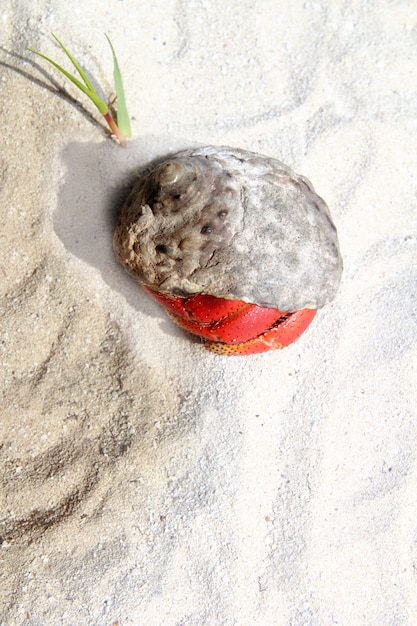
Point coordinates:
[(238, 248)]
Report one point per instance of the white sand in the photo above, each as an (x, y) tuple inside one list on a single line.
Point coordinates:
[(145, 480)]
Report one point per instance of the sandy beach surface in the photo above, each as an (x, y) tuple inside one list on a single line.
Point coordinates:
[(145, 480)]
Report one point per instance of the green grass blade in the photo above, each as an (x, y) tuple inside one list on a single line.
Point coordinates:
[(87, 88), (75, 64), (123, 120), (90, 92)]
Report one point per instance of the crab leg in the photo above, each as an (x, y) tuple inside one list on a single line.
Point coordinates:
[(279, 336), (234, 326)]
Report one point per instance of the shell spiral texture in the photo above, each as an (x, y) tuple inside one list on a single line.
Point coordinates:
[(232, 224)]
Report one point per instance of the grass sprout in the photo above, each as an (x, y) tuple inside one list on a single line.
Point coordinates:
[(120, 126)]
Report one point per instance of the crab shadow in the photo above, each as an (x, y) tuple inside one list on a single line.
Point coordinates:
[(97, 179)]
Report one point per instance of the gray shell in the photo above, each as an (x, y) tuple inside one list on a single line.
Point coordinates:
[(234, 224)]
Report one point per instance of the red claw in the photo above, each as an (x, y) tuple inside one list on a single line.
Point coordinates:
[(234, 326)]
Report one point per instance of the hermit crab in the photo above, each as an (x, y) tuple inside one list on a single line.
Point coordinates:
[(238, 248)]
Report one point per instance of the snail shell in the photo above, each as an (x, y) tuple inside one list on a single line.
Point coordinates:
[(232, 224)]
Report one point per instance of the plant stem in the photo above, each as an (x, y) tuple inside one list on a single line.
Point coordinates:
[(115, 129)]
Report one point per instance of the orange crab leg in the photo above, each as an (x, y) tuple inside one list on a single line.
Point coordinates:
[(242, 325), (234, 326), (199, 307), (279, 336), (208, 309), (218, 319)]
